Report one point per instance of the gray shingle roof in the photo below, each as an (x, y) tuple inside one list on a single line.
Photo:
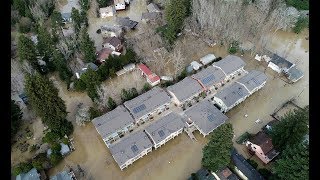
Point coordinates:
[(294, 74), (153, 8), (185, 89), (112, 121), (130, 147), (61, 176), (209, 76), (253, 79), (31, 175), (280, 62), (126, 22), (232, 93), (150, 16), (165, 126), (230, 64), (206, 116), (244, 166), (147, 102)]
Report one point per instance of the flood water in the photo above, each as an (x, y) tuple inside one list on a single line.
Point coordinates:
[(183, 154)]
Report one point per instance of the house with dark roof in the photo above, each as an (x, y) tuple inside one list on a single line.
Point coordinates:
[(231, 66), (64, 175), (103, 54), (66, 17), (130, 149), (112, 43), (230, 96), (152, 7), (253, 81), (151, 77), (210, 78), (205, 117), (150, 16), (185, 90), (30, 175), (143, 107), (225, 174), (127, 23), (202, 174), (87, 66), (114, 124), (111, 31), (243, 168), (294, 74), (165, 129), (261, 145), (280, 64)]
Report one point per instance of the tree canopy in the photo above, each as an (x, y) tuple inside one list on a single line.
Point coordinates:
[(217, 153), (27, 51), (76, 19), (291, 129), (111, 104), (16, 116), (87, 47), (61, 66), (45, 100), (22, 168), (293, 163)]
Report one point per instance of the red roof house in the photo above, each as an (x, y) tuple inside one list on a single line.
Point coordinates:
[(151, 77)]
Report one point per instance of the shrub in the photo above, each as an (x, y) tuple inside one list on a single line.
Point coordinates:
[(56, 147), (252, 163), (298, 4), (65, 140), (94, 112), (79, 85), (51, 137), (39, 161), (55, 158), (265, 173), (302, 23), (146, 87), (24, 25), (22, 168)]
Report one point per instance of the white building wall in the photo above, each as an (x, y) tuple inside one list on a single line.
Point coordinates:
[(120, 6), (274, 67)]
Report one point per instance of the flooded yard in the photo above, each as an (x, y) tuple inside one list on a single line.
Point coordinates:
[(181, 157)]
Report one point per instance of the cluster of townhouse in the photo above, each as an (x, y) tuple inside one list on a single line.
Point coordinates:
[(281, 65), (155, 106)]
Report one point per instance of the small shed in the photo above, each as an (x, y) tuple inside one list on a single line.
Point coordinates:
[(189, 69), (167, 78), (207, 59), (195, 65), (129, 67), (121, 72)]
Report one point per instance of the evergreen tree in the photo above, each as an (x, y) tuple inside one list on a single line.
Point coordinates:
[(56, 19), (217, 153), (61, 66), (27, 51), (45, 43), (45, 100), (76, 19), (85, 5), (175, 14), (291, 129), (111, 104), (293, 163), (87, 47), (16, 116)]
